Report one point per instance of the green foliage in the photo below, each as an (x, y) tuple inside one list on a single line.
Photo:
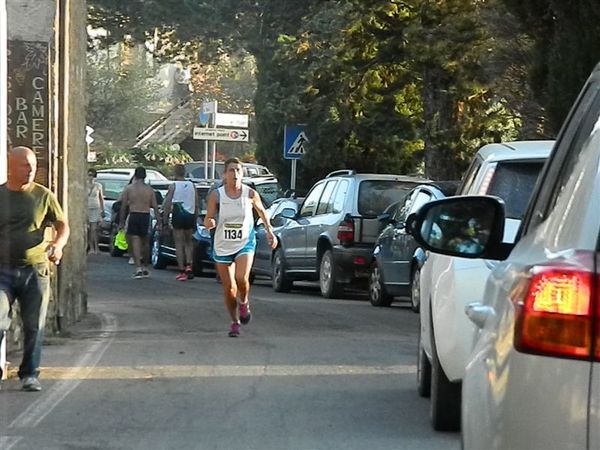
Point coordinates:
[(121, 89), (159, 156)]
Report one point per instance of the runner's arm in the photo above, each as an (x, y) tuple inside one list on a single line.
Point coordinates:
[(262, 213), (123, 211), (154, 204), (168, 204), (211, 209)]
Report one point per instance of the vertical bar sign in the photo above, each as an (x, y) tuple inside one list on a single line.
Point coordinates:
[(28, 101)]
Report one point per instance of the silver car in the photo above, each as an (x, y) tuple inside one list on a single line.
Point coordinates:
[(533, 377)]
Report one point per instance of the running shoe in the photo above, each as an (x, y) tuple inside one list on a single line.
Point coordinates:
[(131, 262), (189, 272), (234, 329), (139, 274), (181, 276), (31, 384), (245, 315), (145, 273)]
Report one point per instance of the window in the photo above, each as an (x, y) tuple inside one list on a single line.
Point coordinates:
[(580, 125), (422, 198), (340, 196), (402, 212), (268, 192), (310, 203), (470, 176), (376, 195), (112, 188), (325, 204), (514, 182)]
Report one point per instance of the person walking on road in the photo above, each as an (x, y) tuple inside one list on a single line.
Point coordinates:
[(181, 201), (95, 210), (138, 198), (28, 208), (235, 239)]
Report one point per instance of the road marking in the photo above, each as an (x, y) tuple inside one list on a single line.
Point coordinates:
[(214, 371), (38, 410), (8, 442)]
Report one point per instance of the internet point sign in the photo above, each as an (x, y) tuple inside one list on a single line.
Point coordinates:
[(294, 142)]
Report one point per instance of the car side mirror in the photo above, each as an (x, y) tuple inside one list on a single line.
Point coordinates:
[(385, 218), (288, 213), (464, 226)]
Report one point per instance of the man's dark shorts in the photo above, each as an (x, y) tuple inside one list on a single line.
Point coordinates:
[(138, 224), (182, 220)]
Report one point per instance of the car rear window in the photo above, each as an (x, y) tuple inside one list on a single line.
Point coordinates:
[(513, 182), (112, 188), (196, 170), (374, 196)]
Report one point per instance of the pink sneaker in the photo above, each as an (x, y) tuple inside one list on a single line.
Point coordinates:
[(245, 314), (234, 329), (181, 276)]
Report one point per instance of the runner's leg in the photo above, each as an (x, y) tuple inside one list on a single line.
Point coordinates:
[(189, 246), (178, 236), (243, 264), (227, 274)]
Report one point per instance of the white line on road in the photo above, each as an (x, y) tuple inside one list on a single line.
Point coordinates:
[(8, 442), (38, 410), (212, 371)]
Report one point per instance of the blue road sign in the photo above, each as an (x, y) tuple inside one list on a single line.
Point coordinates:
[(203, 118), (294, 142)]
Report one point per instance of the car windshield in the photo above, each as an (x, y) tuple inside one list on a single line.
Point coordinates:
[(374, 196), (513, 182), (112, 188)]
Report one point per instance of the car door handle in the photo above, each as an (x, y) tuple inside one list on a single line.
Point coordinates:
[(479, 313)]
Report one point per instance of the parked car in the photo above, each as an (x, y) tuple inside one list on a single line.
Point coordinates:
[(397, 258), (163, 251), (331, 237), (447, 284), (532, 379), (152, 175), (264, 252), (112, 186)]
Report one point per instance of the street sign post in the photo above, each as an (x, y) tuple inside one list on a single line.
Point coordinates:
[(220, 134), (294, 147)]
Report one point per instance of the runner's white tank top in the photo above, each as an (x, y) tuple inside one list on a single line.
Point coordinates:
[(235, 222), (184, 194)]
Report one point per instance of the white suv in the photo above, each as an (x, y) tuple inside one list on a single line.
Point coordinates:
[(509, 171), (533, 378)]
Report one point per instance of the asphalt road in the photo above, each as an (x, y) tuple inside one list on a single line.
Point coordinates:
[(151, 367)]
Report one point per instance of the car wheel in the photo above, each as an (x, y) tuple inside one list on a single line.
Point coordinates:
[(157, 258), (415, 290), (423, 370), (377, 293), (281, 283), (330, 288), (445, 398), (112, 249)]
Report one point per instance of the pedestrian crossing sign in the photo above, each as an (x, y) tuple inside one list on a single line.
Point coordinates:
[(294, 142)]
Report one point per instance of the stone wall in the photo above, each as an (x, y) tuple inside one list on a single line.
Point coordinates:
[(59, 26)]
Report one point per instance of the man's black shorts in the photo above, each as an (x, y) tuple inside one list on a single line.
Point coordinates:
[(138, 224), (182, 220)]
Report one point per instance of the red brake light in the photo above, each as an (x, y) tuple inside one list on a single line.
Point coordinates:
[(345, 232), (555, 316)]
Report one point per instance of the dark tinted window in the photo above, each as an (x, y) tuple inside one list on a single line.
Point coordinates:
[(376, 195), (513, 182), (325, 204)]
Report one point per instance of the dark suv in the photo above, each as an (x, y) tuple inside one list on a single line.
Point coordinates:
[(331, 237)]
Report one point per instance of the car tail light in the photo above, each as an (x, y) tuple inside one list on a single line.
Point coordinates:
[(345, 232), (554, 312)]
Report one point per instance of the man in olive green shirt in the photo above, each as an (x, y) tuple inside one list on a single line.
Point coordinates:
[(26, 210)]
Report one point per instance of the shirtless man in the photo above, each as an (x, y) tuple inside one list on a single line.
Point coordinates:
[(137, 200)]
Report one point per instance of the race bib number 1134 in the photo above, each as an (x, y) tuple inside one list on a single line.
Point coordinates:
[(232, 232)]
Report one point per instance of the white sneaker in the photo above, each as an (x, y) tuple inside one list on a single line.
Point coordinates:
[(131, 262), (31, 384)]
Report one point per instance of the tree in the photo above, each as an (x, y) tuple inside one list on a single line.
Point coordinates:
[(121, 89)]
